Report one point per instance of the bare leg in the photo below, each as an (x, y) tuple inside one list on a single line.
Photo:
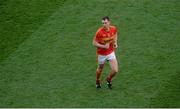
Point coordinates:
[(98, 73), (114, 69)]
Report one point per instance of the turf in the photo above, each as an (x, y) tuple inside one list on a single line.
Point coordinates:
[(47, 58)]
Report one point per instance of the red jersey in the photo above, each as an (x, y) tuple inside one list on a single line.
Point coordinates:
[(104, 36)]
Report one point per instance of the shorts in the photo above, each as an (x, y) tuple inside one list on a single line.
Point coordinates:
[(103, 58)]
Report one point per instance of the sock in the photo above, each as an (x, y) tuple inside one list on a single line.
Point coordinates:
[(109, 78), (98, 74)]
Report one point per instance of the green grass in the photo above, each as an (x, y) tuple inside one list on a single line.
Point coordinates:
[(20, 18), (47, 58)]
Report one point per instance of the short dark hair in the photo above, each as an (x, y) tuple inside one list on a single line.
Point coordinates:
[(106, 17)]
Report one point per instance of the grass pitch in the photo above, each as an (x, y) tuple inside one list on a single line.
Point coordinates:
[(47, 58)]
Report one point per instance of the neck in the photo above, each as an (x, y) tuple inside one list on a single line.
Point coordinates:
[(106, 28)]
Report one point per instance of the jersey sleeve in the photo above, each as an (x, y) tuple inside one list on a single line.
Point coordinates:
[(97, 36), (114, 29)]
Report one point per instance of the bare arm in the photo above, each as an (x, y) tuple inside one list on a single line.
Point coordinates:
[(115, 41)]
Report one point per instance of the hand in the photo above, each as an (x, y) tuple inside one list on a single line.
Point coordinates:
[(106, 46), (115, 45)]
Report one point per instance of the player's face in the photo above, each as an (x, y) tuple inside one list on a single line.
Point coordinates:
[(106, 23)]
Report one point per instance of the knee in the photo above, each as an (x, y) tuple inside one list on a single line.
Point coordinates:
[(100, 69), (114, 70)]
